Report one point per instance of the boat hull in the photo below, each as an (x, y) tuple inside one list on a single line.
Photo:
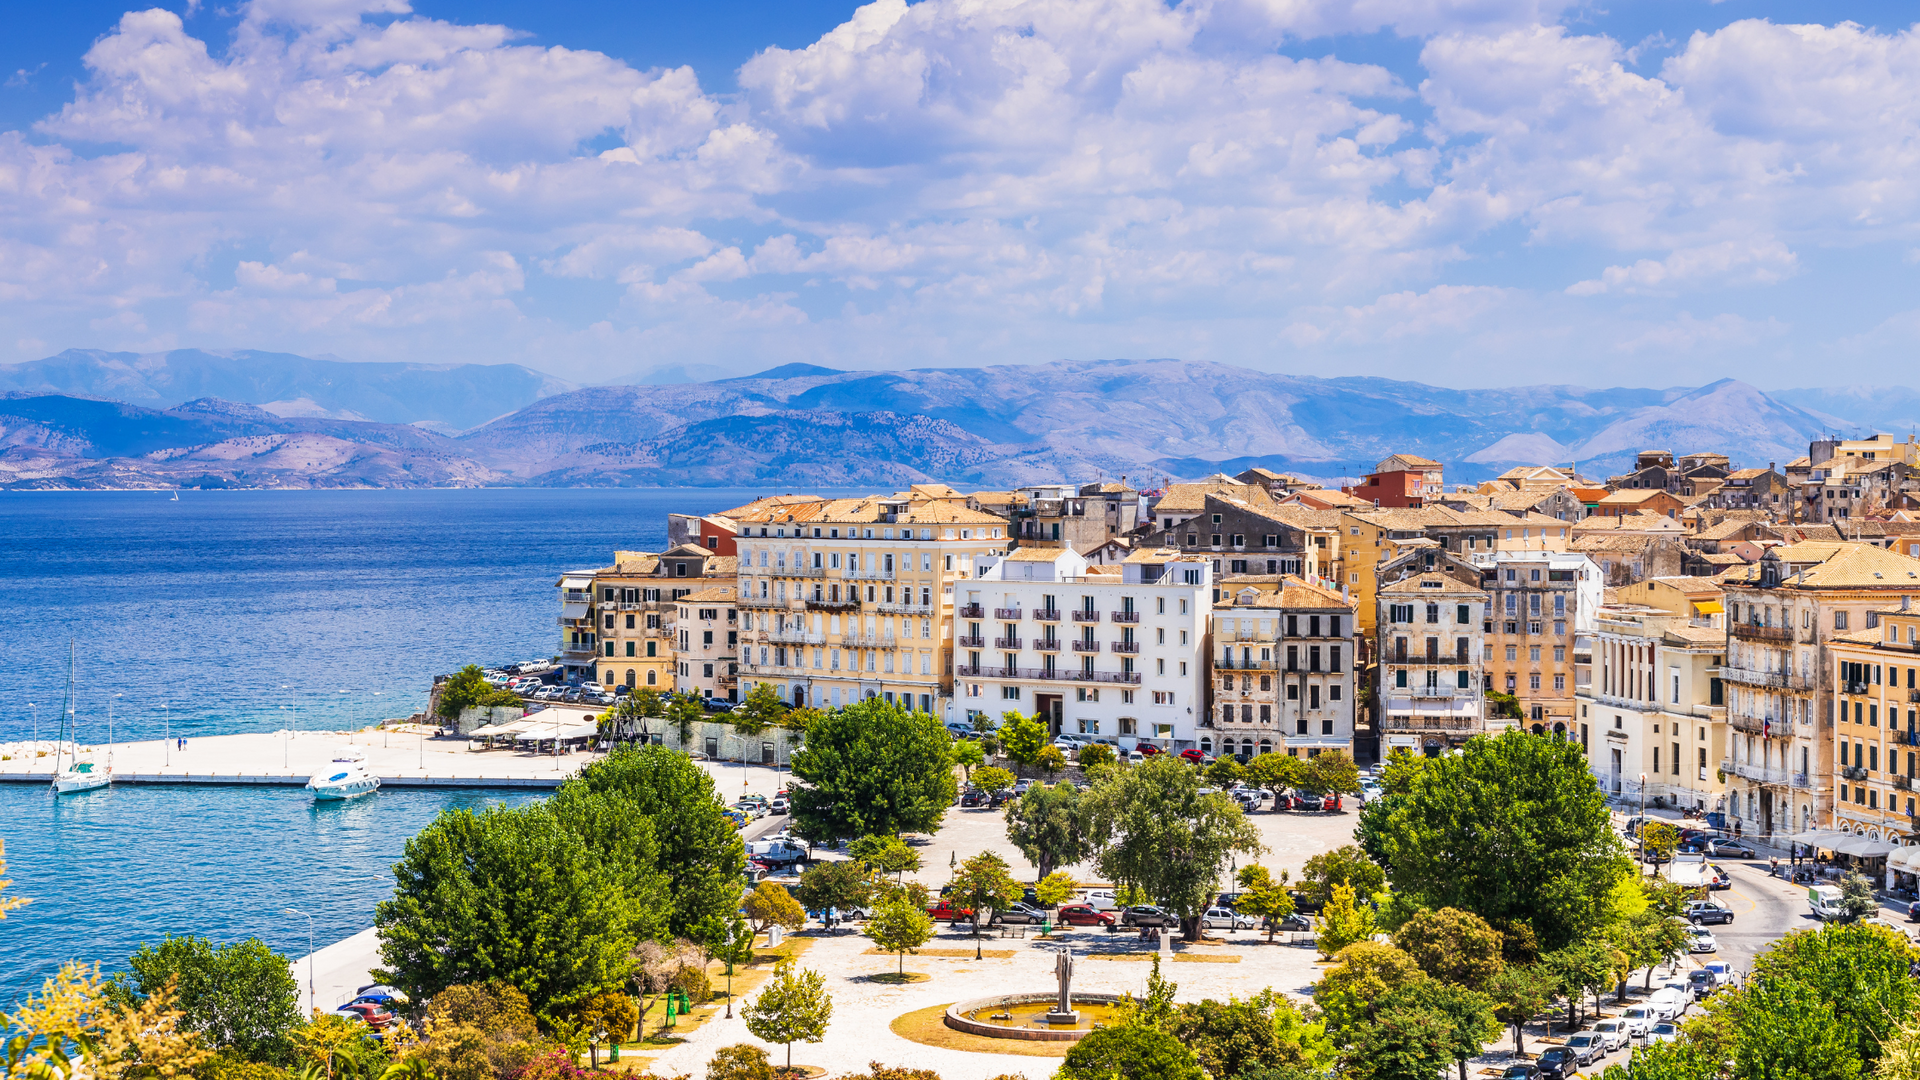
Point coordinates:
[(349, 789), (69, 785)]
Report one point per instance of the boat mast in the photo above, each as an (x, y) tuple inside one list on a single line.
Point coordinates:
[(66, 713)]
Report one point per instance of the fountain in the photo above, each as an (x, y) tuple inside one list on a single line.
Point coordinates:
[(1058, 1017)]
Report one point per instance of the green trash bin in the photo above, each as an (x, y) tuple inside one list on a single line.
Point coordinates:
[(613, 1052)]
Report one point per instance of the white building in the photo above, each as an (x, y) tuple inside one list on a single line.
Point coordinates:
[(1283, 672), (1116, 655)]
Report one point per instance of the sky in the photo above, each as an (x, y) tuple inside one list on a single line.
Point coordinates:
[(1462, 192)]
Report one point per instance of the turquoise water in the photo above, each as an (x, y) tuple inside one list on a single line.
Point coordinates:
[(227, 606)]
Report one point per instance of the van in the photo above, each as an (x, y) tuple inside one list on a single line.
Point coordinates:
[(1825, 902)]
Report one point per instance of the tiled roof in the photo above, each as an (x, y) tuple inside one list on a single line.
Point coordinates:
[(714, 595), (1294, 593), (1036, 555), (1841, 566), (1425, 585)]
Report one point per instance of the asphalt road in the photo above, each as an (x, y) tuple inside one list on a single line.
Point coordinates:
[(1765, 909)]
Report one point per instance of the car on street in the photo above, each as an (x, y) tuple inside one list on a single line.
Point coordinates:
[(1731, 849), (717, 704), (1613, 1035), (779, 805), (1721, 971), (1148, 915), (1701, 980), (1720, 879), (1220, 918), (1083, 915), (1638, 1020), (1248, 800), (1020, 912), (1587, 1046), (1558, 1063), (1703, 912), (1149, 749), (1525, 1070), (1663, 1032), (1134, 757), (1196, 757), (1308, 801), (973, 799), (1669, 1003), (1701, 941), (944, 910), (375, 1016), (1295, 924), (1306, 905)]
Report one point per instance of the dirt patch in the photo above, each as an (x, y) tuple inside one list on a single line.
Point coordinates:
[(928, 1027), (1178, 958), (960, 954), (895, 978)]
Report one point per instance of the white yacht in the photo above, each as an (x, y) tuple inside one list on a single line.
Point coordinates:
[(80, 776), (345, 777)]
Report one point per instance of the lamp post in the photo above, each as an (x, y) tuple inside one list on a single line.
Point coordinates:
[(286, 747), (310, 963), (294, 696), (166, 736), (350, 717), (36, 726), (1643, 818)]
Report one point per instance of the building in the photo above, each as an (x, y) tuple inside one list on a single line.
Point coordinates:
[(1628, 501), (708, 649), (635, 602), (1082, 518), (1782, 613), (849, 599), (1876, 682), (1539, 629), (1374, 536), (1654, 709), (1284, 672), (1431, 631), (1249, 533), (1845, 478), (1117, 656), (1756, 489), (1402, 480)]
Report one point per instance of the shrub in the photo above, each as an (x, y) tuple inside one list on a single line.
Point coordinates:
[(740, 1061), (222, 1067), (554, 1064), (1131, 1052), (693, 982)]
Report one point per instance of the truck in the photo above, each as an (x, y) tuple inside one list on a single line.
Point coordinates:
[(775, 852), (1825, 902)]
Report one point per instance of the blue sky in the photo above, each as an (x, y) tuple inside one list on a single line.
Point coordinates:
[(1468, 192)]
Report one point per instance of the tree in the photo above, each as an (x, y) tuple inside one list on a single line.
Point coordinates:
[(1158, 832), (1055, 889), (337, 1046), (1023, 737), (1454, 946), (1095, 756), (1332, 772), (802, 719), (1580, 968), (519, 894), (839, 884), (684, 711), (1275, 772), (1657, 843), (605, 1017), (969, 756), (1420, 1025), (468, 688), (1226, 771), (1519, 993), (885, 854), (1854, 974), (1342, 923), (1856, 896), (239, 998), (741, 1061), (1050, 760), (755, 715), (480, 1032), (1130, 1052), (770, 904), (899, 926), (1233, 1039), (1048, 826), (983, 884), (793, 1007), (1364, 974), (73, 1028), (872, 767), (1346, 865), (1266, 898), (993, 779), (699, 849), (1511, 828)]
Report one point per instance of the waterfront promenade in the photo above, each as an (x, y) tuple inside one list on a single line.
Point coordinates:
[(401, 755)]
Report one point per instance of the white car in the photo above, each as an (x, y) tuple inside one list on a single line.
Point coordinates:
[(1135, 757), (1221, 918), (1701, 941), (1613, 1035), (1068, 744), (1639, 1020), (1669, 1004), (1663, 1032)]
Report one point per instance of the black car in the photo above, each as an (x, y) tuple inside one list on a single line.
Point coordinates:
[(974, 800), (1525, 1070), (1295, 924), (1558, 1063), (1306, 905)]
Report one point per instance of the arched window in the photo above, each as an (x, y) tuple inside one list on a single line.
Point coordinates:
[(630, 677), (651, 678), (1266, 747)]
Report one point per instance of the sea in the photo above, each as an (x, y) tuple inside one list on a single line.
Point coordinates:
[(246, 611)]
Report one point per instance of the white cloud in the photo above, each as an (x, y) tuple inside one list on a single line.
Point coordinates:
[(1759, 261)]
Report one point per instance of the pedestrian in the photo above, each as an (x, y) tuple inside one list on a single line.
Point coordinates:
[(1773, 866)]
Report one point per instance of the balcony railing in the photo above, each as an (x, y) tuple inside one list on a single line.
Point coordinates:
[(903, 609), (1086, 616), (1006, 643), (798, 571), (1086, 646), (1230, 664), (1429, 661), (1437, 691), (1043, 614), (1852, 687), (1126, 616), (1904, 783), (1760, 725), (870, 641), (870, 575), (1048, 644), (579, 648), (849, 604), (1433, 723), (1760, 773), (1913, 695), (1749, 632), (768, 602), (1783, 680), (971, 611), (796, 637), (1048, 675), (1130, 647), (970, 642), (1007, 614)]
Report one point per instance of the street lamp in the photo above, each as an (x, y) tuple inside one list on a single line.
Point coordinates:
[(166, 736), (1643, 818), (294, 695), (286, 746), (310, 961), (36, 726)]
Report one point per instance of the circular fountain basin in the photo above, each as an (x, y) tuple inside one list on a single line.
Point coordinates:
[(1025, 1016)]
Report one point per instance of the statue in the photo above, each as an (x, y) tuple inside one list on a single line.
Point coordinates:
[(1062, 1012)]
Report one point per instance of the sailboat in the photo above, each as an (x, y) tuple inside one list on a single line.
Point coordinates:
[(78, 775), (176, 497)]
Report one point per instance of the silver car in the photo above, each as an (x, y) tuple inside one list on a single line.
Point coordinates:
[(1222, 918), (1663, 1032), (1587, 1047)]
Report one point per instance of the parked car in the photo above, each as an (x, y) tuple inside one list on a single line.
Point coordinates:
[(1225, 918), (1720, 879), (1558, 1063), (753, 810), (1731, 849), (1525, 1070), (1068, 743), (1701, 980), (1721, 971), (1331, 802), (1702, 912), (375, 1016), (779, 805), (777, 852), (1638, 1020), (945, 911), (974, 799), (1083, 915), (1248, 800), (717, 704), (1304, 904), (1701, 941), (1587, 1046), (1295, 924), (1669, 1003), (1149, 749), (1663, 1032), (1148, 915), (1135, 757), (960, 730), (1021, 912), (1192, 756), (1613, 1035), (1309, 802)]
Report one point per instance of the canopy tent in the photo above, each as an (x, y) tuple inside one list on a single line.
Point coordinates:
[(1819, 838), (1861, 847), (1906, 860), (535, 731), (490, 730)]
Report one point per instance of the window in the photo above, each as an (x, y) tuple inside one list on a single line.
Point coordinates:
[(1010, 693), (1839, 620)]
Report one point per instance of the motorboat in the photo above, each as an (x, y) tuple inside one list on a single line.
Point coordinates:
[(345, 777), (80, 776)]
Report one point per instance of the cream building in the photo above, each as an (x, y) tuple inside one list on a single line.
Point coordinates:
[(1119, 656), (850, 599), (1654, 710), (636, 604), (1284, 680), (707, 650), (1431, 656), (1539, 629)]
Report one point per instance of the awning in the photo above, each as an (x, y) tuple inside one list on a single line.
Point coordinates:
[(565, 731), (492, 729), (1861, 847), (576, 583), (1709, 607), (1820, 838), (1906, 859)]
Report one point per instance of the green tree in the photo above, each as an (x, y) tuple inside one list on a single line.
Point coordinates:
[(1511, 828), (1264, 897), (1853, 975), (770, 904), (1342, 922), (1023, 737), (608, 1016), (1346, 865), (519, 894), (1657, 843), (1454, 946), (1519, 993), (1583, 967), (1332, 772), (741, 1061), (802, 719), (1421, 1026), (1048, 825), (239, 998), (1226, 771), (992, 779), (1094, 756), (700, 851), (984, 724), (793, 1007), (983, 884), (1050, 760), (483, 1031), (1239, 1037), (1856, 896), (1055, 889), (967, 754), (899, 926), (872, 767), (838, 884), (755, 716), (468, 688), (1275, 773), (684, 711), (885, 854), (1129, 1052), (1157, 831), (1364, 973)]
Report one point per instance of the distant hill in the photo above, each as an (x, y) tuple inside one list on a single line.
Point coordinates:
[(455, 396), (801, 425)]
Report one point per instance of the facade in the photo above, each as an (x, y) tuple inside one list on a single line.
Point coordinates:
[(1118, 656), (1284, 672), (1629, 501), (1081, 518), (708, 648), (1403, 481), (1373, 537), (1431, 648), (1251, 534), (1782, 614), (1539, 629), (1755, 489), (635, 607), (1653, 723), (1876, 683)]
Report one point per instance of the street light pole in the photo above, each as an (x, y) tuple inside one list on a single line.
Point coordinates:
[(310, 962), (1643, 820), (166, 736)]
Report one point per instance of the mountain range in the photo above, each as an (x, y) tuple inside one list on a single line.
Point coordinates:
[(260, 419)]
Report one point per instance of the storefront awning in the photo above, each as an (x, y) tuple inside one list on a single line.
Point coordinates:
[(1906, 859), (1708, 607), (576, 583), (1861, 847), (1820, 838)]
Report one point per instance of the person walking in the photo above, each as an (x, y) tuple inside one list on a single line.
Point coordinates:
[(1773, 866)]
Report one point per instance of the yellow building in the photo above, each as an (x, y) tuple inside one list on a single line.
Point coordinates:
[(1876, 680), (1653, 723), (634, 610), (853, 598)]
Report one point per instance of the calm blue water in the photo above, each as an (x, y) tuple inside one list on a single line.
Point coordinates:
[(227, 606)]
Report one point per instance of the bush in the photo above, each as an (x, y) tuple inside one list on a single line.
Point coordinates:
[(222, 1067), (693, 982), (740, 1061), (877, 1071), (482, 1031), (554, 1065), (468, 688), (1131, 1052)]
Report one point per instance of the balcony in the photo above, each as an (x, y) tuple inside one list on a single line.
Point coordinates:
[(1759, 774), (1430, 661), (851, 603), (1913, 695), (1086, 646), (578, 648), (1048, 644), (1434, 723), (1749, 632), (1126, 616), (1048, 674), (1043, 614), (766, 602), (1436, 692), (1086, 616), (1128, 647), (796, 637), (971, 611), (1853, 772), (970, 642), (1006, 643), (1851, 687), (1903, 783), (1007, 614), (1230, 664), (799, 571), (870, 575), (870, 641), (1781, 680), (903, 609)]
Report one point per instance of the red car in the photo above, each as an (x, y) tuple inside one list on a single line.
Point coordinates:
[(1083, 915), (944, 911), (1331, 802), (375, 1016), (1190, 756), (1147, 749)]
